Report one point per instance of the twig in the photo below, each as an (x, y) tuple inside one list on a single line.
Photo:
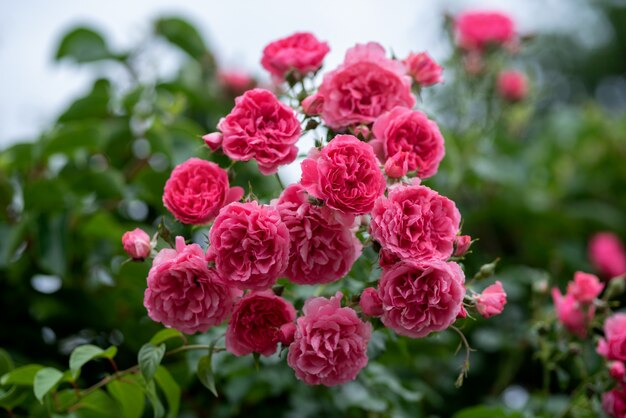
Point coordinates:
[(466, 363)]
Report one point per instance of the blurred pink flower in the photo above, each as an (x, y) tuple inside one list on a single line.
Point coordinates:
[(607, 254)]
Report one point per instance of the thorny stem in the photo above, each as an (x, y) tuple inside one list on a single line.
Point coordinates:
[(466, 363)]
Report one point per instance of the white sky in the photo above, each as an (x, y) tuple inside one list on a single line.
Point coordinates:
[(33, 89)]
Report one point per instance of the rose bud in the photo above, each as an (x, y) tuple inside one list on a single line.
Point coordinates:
[(491, 301), (137, 244), (461, 245), (370, 302), (617, 370), (312, 105), (213, 140), (398, 165)]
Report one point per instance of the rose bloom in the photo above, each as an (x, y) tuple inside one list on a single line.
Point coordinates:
[(249, 245), (366, 85), (370, 302), (323, 245), (585, 287), (415, 222), (345, 174), (236, 82), (613, 345), (330, 344), (614, 402), (607, 254), (137, 244), (512, 85), (301, 52), (617, 370), (255, 324), (571, 314), (263, 128), (477, 30), (424, 70), (197, 190), (410, 131), (185, 294), (420, 297), (491, 301)]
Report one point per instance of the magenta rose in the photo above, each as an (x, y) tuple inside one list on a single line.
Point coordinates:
[(137, 244), (256, 321), (613, 345), (512, 85), (260, 127), (585, 287), (415, 222), (197, 190), (330, 343), (614, 402), (477, 30), (420, 297), (249, 245), (323, 245), (617, 370), (301, 52), (409, 131), (424, 70), (491, 301), (574, 317), (185, 294), (345, 174), (607, 254), (370, 302), (366, 85)]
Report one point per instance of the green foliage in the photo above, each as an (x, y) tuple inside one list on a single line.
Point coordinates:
[(150, 357)]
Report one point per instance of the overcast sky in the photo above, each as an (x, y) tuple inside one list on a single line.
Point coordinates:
[(33, 88)]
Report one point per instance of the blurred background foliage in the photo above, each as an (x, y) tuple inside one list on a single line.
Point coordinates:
[(533, 181)]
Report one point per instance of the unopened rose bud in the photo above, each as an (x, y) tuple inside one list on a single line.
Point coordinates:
[(491, 301), (462, 313), (137, 244), (398, 165), (361, 131), (617, 370), (213, 140), (313, 104), (462, 243), (370, 302), (286, 333)]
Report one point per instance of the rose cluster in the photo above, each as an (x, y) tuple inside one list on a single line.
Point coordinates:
[(360, 187), (575, 310)]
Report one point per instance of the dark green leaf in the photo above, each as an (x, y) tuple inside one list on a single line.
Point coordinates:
[(130, 396), (6, 364), (205, 373), (14, 396), (485, 411), (83, 45), (170, 388), (183, 35), (46, 380), (157, 406), (22, 376), (149, 358), (98, 404)]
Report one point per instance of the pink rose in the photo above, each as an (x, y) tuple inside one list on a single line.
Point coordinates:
[(137, 244), (410, 131), (397, 165), (366, 85), (415, 222), (370, 302), (330, 344), (424, 70), (613, 345), (571, 314), (197, 190), (345, 174), (255, 324), (607, 254), (236, 82), (301, 52), (249, 245), (512, 85), (313, 105), (462, 244), (323, 245), (491, 301), (263, 128), (617, 370), (184, 293), (213, 140), (477, 30), (585, 287), (614, 402), (420, 297)]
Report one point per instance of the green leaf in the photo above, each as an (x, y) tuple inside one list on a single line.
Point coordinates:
[(157, 406), (149, 358), (22, 376), (205, 373), (130, 396), (46, 379), (6, 364), (170, 388), (182, 34), (83, 45), (85, 353), (14, 396), (164, 335), (98, 404)]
